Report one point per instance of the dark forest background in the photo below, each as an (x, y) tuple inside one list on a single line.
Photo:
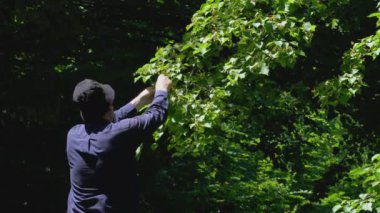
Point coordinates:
[(103, 40), (46, 47)]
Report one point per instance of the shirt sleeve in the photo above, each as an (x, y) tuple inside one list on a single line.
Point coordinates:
[(126, 111), (151, 119)]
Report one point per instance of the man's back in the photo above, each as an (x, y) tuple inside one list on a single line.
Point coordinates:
[(102, 159)]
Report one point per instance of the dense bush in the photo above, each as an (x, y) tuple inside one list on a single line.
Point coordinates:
[(274, 106), (256, 123)]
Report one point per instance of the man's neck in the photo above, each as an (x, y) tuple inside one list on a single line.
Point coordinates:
[(108, 116)]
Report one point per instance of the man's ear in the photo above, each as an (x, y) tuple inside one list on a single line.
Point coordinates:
[(81, 115)]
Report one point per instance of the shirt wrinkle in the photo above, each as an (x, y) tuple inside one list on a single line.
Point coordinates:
[(102, 170)]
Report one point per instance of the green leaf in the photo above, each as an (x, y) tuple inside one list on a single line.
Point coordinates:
[(264, 70), (367, 207), (207, 125), (374, 15), (337, 208), (375, 158), (307, 26), (363, 196)]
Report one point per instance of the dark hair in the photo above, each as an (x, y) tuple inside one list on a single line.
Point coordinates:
[(94, 107), (93, 98)]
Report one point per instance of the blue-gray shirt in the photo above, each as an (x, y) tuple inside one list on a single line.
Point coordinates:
[(102, 159)]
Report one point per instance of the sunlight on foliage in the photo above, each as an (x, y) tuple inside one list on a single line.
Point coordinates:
[(254, 145)]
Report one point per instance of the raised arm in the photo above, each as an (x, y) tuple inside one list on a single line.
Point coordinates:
[(126, 111), (129, 110), (144, 98), (155, 114)]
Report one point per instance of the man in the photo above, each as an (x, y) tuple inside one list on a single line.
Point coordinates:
[(101, 152)]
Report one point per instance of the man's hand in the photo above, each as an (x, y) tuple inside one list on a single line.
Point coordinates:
[(145, 97), (163, 83)]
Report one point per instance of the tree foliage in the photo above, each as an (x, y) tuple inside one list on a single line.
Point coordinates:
[(252, 142), (274, 106)]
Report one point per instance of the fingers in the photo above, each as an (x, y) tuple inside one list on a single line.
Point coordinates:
[(163, 83)]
